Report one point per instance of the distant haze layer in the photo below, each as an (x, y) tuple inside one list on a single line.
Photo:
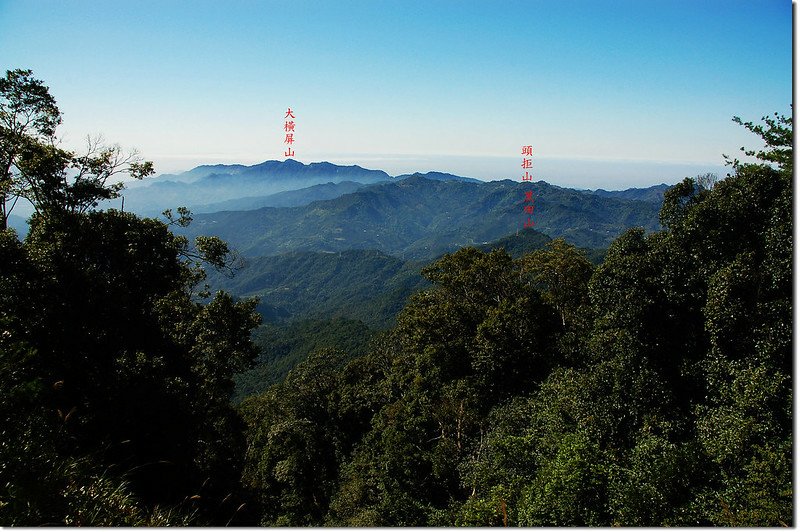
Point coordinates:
[(573, 173)]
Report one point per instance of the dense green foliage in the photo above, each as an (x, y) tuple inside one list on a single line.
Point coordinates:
[(519, 243), (29, 116), (654, 389), (529, 388), (366, 285), (115, 380)]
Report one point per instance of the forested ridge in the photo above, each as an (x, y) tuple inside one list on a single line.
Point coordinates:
[(652, 389), (421, 218)]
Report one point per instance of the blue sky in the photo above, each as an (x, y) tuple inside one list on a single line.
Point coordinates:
[(610, 93)]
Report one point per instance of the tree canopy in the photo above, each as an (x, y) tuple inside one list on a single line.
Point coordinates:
[(116, 372), (653, 389)]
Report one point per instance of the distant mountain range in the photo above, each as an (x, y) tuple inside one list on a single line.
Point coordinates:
[(205, 185), (420, 218), (347, 241), (280, 206), (210, 188), (288, 198)]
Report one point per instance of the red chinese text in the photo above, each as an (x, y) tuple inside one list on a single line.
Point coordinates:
[(288, 128), (528, 204)]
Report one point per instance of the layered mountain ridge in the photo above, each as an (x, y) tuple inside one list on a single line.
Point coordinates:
[(210, 188), (420, 218), (205, 185)]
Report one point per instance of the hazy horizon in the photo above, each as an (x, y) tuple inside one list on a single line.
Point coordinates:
[(571, 173), (588, 85)]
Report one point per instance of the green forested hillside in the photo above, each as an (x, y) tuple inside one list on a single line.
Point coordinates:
[(329, 298), (418, 218), (365, 285), (527, 240), (653, 389), (439, 176)]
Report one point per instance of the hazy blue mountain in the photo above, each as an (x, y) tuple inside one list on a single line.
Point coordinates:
[(210, 188), (211, 184), (654, 194), (200, 171), (19, 224), (421, 218), (291, 171), (289, 198)]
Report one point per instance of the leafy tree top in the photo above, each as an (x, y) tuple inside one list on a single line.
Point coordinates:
[(778, 136)]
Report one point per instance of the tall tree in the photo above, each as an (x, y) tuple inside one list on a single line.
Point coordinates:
[(27, 112), (118, 374)]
